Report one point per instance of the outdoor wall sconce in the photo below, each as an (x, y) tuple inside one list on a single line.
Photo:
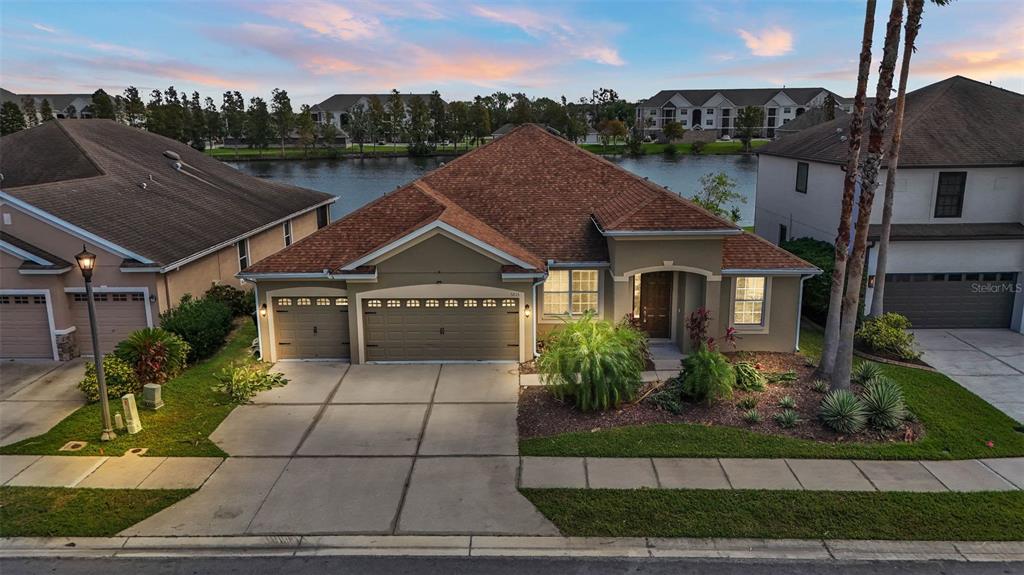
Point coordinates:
[(152, 298), (526, 311), (871, 281), (263, 310)]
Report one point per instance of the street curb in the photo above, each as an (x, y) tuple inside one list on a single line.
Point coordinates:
[(512, 546)]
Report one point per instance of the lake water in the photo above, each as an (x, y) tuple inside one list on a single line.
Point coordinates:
[(358, 181)]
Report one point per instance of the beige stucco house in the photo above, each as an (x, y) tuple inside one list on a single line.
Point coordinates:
[(479, 259), (164, 220)]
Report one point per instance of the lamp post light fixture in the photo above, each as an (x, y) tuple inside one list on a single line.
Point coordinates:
[(87, 262)]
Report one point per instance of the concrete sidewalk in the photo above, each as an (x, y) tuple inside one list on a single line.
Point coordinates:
[(818, 550), (777, 474), (36, 395), (130, 471)]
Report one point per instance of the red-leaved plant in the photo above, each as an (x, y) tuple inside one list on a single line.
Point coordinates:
[(697, 328)]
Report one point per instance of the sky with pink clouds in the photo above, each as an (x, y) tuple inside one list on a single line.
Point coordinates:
[(315, 48)]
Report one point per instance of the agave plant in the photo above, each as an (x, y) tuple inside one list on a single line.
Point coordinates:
[(594, 362), (866, 371), (883, 400), (787, 418), (843, 412)]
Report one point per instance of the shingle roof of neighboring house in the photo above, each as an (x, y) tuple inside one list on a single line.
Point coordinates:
[(811, 117), (531, 194), (91, 173), (346, 101), (52, 262), (955, 122), (739, 97), (58, 102)]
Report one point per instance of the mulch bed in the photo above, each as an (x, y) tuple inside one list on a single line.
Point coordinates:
[(541, 415)]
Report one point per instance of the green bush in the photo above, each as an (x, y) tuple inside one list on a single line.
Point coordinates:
[(787, 402), (203, 323), (787, 418), (156, 354), (670, 149), (883, 401), (748, 402), (242, 382), (843, 412), (119, 376), (707, 376), (697, 147), (888, 335), (866, 371), (594, 362), (239, 301), (816, 288), (748, 377), (668, 397), (752, 416)]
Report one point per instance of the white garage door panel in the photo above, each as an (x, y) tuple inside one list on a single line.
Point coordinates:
[(24, 327), (117, 316)]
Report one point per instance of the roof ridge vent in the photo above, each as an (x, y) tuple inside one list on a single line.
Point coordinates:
[(172, 155)]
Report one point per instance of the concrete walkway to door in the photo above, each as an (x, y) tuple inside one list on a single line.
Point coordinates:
[(375, 449)]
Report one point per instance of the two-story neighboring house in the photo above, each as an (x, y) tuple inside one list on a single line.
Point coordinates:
[(716, 110), (956, 257), (338, 108), (63, 105), (163, 219)]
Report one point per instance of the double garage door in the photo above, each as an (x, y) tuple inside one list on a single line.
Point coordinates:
[(952, 300)]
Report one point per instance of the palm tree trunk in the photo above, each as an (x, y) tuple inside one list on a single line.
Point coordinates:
[(868, 186), (914, 10), (835, 302)]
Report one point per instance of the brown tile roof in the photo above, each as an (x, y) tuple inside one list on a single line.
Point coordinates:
[(751, 252), (955, 122), (91, 173), (531, 194)]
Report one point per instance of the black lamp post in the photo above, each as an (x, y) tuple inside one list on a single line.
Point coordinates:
[(87, 262)]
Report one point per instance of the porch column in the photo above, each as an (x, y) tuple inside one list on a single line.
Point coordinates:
[(622, 299), (712, 301)]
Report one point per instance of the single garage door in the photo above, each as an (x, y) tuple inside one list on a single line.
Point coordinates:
[(449, 329), (24, 327), (117, 316), (952, 300), (311, 327)]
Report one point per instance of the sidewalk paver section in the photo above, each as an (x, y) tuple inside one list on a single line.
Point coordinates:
[(334, 495), (57, 471), (387, 384), (366, 430), (182, 473), (264, 429), (124, 472), (621, 473), (1010, 469), (489, 546), (225, 505), (691, 474), (546, 472), (967, 475), (471, 429), (991, 550), (460, 495), (308, 382), (900, 476), (11, 465), (759, 474), (851, 550), (829, 475), (771, 549), (486, 383)]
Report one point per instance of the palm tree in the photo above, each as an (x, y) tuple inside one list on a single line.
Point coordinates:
[(868, 186), (914, 10), (828, 354)]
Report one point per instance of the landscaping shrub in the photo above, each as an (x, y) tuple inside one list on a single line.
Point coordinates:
[(669, 397), (887, 335), (239, 301), (816, 288), (748, 377), (697, 147), (787, 418), (707, 376), (697, 329), (819, 385), (156, 354), (118, 374), (670, 149), (594, 362), (883, 400), (843, 412), (866, 371), (242, 382), (752, 416), (787, 402), (203, 323), (748, 402)]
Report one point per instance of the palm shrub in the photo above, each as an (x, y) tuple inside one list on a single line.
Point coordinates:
[(883, 400), (118, 374), (707, 376), (748, 377), (594, 362), (887, 334), (843, 412), (203, 323), (156, 354), (866, 371)]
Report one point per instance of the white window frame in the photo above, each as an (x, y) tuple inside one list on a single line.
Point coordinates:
[(287, 228), (761, 328), (246, 256), (556, 318)]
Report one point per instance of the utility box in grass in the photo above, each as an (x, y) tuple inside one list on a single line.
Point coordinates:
[(151, 398)]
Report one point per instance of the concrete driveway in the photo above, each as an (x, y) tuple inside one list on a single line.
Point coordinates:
[(35, 395), (989, 362), (375, 449)]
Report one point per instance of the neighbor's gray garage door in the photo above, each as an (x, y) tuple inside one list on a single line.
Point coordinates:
[(24, 327), (450, 329), (311, 327), (117, 316), (958, 300)]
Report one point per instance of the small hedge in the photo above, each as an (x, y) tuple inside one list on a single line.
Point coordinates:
[(119, 376), (203, 323), (239, 301), (887, 335)]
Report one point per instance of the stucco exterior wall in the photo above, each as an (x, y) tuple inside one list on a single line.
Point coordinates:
[(630, 255), (781, 332)]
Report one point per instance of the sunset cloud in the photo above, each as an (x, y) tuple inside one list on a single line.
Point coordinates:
[(582, 40), (773, 41), (326, 18)]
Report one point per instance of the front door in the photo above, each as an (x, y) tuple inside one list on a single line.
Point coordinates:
[(656, 304)]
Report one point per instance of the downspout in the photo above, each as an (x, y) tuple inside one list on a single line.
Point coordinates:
[(536, 312), (259, 326), (800, 311)]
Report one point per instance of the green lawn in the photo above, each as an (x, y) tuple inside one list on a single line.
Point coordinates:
[(192, 410), (957, 426), (993, 516), (58, 511), (711, 148), (274, 153)]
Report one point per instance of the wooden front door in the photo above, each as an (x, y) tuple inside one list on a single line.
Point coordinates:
[(656, 304)]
